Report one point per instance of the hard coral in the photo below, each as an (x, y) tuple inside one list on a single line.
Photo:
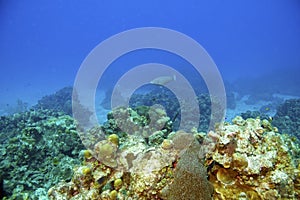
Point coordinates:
[(254, 168), (106, 152), (38, 149), (287, 117), (143, 172)]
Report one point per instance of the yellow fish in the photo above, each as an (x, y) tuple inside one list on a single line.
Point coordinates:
[(163, 80)]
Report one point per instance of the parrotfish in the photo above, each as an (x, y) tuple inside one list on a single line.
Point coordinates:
[(163, 80)]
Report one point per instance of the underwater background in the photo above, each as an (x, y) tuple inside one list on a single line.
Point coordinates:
[(45, 155)]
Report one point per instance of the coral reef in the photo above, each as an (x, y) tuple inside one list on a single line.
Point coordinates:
[(287, 117), (138, 154), (243, 160), (38, 149), (142, 120), (147, 162), (166, 98), (143, 172), (254, 114), (59, 101), (248, 163), (62, 101), (161, 96)]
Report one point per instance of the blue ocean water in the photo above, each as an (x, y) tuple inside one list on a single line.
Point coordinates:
[(44, 43)]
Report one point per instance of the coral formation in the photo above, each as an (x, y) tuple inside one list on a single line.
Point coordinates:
[(132, 166), (137, 154), (247, 162), (60, 101), (143, 172), (38, 149), (106, 152), (243, 160), (166, 98), (140, 121), (287, 117), (254, 114)]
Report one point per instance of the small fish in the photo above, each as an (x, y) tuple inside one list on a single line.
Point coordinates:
[(163, 80)]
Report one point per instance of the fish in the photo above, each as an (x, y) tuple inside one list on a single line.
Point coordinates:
[(163, 80)]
